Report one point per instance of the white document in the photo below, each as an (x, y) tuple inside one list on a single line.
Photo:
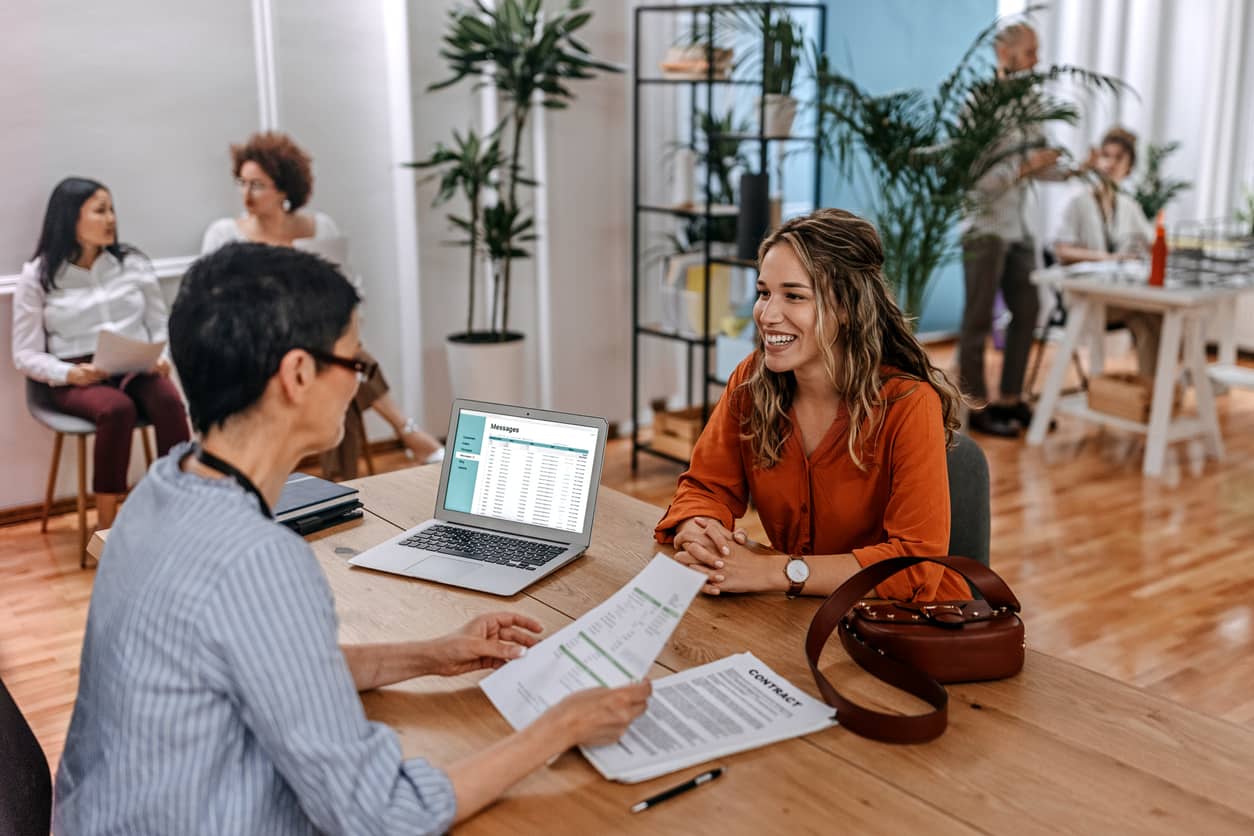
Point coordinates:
[(712, 711), (612, 645), (117, 354)]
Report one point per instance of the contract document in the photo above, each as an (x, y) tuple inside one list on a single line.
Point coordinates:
[(728, 706), (612, 645), (117, 354)]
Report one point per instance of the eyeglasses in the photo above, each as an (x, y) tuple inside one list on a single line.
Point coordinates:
[(252, 186), (365, 368)]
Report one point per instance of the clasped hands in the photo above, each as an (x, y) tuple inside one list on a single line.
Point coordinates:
[(731, 561)]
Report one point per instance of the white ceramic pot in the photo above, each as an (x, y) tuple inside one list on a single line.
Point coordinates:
[(778, 115), (488, 371)]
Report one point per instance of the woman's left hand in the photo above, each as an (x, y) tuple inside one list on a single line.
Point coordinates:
[(488, 641), (751, 567), (161, 367)]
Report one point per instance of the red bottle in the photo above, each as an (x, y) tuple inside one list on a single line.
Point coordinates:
[(1158, 254)]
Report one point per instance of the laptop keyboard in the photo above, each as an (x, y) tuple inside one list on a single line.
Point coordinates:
[(479, 545)]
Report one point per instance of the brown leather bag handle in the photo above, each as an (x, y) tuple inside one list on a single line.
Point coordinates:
[(892, 728)]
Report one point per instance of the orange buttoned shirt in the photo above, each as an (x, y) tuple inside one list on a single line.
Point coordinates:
[(824, 503)]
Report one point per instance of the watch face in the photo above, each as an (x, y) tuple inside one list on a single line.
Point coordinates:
[(797, 571)]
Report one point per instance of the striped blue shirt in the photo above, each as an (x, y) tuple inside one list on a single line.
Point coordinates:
[(213, 697)]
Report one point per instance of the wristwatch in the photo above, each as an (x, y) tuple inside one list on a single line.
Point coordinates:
[(798, 572)]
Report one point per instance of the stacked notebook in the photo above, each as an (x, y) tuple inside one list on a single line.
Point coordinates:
[(309, 504)]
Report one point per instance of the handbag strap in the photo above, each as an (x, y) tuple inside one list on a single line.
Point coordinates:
[(892, 728)]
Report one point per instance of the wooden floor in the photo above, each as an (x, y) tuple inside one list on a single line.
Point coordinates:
[(1149, 582)]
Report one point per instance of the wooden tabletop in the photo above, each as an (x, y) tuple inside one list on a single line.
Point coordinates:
[(1057, 749)]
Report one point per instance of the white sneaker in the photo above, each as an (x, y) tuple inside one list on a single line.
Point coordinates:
[(437, 456)]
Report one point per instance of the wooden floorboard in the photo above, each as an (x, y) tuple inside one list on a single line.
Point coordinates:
[(1148, 581)]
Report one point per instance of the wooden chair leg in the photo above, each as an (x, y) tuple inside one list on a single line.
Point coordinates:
[(143, 434), (365, 446), (82, 501), (52, 480)]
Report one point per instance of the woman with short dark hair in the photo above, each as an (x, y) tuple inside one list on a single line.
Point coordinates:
[(79, 282), (275, 177), (213, 694)]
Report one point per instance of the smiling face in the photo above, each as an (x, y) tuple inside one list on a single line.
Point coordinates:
[(261, 196), (97, 224), (786, 313)]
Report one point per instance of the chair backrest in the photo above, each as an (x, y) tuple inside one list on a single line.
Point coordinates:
[(25, 782), (969, 512)]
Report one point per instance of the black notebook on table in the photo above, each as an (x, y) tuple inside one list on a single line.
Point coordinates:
[(308, 503)]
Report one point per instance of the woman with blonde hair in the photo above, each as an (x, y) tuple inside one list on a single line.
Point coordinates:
[(836, 426)]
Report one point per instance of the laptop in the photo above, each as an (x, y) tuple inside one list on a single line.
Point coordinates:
[(518, 489)]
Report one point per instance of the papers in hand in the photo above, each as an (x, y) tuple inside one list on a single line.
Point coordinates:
[(117, 354), (728, 706), (612, 645)]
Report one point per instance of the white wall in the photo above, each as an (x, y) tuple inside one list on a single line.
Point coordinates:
[(131, 94)]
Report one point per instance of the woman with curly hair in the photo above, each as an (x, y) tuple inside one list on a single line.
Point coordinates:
[(275, 178), (836, 426)]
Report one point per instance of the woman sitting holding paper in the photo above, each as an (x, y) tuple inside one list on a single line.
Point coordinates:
[(836, 426), (81, 282)]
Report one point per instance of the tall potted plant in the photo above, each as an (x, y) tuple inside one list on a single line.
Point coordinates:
[(529, 55), (924, 152)]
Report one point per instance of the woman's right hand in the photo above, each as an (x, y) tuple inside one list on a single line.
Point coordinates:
[(85, 374), (598, 716), (707, 540)]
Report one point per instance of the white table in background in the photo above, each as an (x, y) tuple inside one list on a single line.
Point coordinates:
[(1182, 344)]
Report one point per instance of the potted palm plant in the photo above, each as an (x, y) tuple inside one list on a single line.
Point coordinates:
[(466, 169), (529, 55), (924, 152)]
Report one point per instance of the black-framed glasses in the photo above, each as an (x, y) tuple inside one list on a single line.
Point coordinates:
[(365, 368)]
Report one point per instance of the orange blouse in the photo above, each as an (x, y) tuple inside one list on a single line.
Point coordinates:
[(823, 504)]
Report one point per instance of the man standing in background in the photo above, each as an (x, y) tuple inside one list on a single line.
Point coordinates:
[(999, 251)]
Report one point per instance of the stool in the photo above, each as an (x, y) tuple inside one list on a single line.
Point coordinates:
[(39, 404)]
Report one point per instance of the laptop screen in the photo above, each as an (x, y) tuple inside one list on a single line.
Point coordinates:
[(521, 470)]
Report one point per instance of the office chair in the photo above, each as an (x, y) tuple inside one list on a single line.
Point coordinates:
[(970, 516), (41, 408), (25, 781)]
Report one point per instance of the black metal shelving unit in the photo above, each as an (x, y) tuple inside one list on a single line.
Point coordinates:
[(702, 16)]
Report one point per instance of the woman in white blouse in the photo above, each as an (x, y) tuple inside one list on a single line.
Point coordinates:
[(1105, 223), (80, 282), (275, 177)]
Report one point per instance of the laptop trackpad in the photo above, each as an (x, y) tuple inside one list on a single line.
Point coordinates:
[(445, 569)]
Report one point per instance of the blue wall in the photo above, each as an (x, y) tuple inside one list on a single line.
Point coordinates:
[(890, 45)]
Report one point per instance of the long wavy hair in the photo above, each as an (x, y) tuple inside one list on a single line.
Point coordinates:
[(58, 237), (842, 255)]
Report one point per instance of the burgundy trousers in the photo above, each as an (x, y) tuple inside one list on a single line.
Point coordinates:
[(114, 406)]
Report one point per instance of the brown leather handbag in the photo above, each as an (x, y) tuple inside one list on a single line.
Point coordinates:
[(917, 646)]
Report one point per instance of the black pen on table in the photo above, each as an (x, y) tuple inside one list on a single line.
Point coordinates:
[(703, 778)]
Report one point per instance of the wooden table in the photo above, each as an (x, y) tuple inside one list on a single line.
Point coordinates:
[(1185, 311), (1056, 749)]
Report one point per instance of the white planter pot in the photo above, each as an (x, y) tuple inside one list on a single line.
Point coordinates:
[(778, 115), (486, 371)]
